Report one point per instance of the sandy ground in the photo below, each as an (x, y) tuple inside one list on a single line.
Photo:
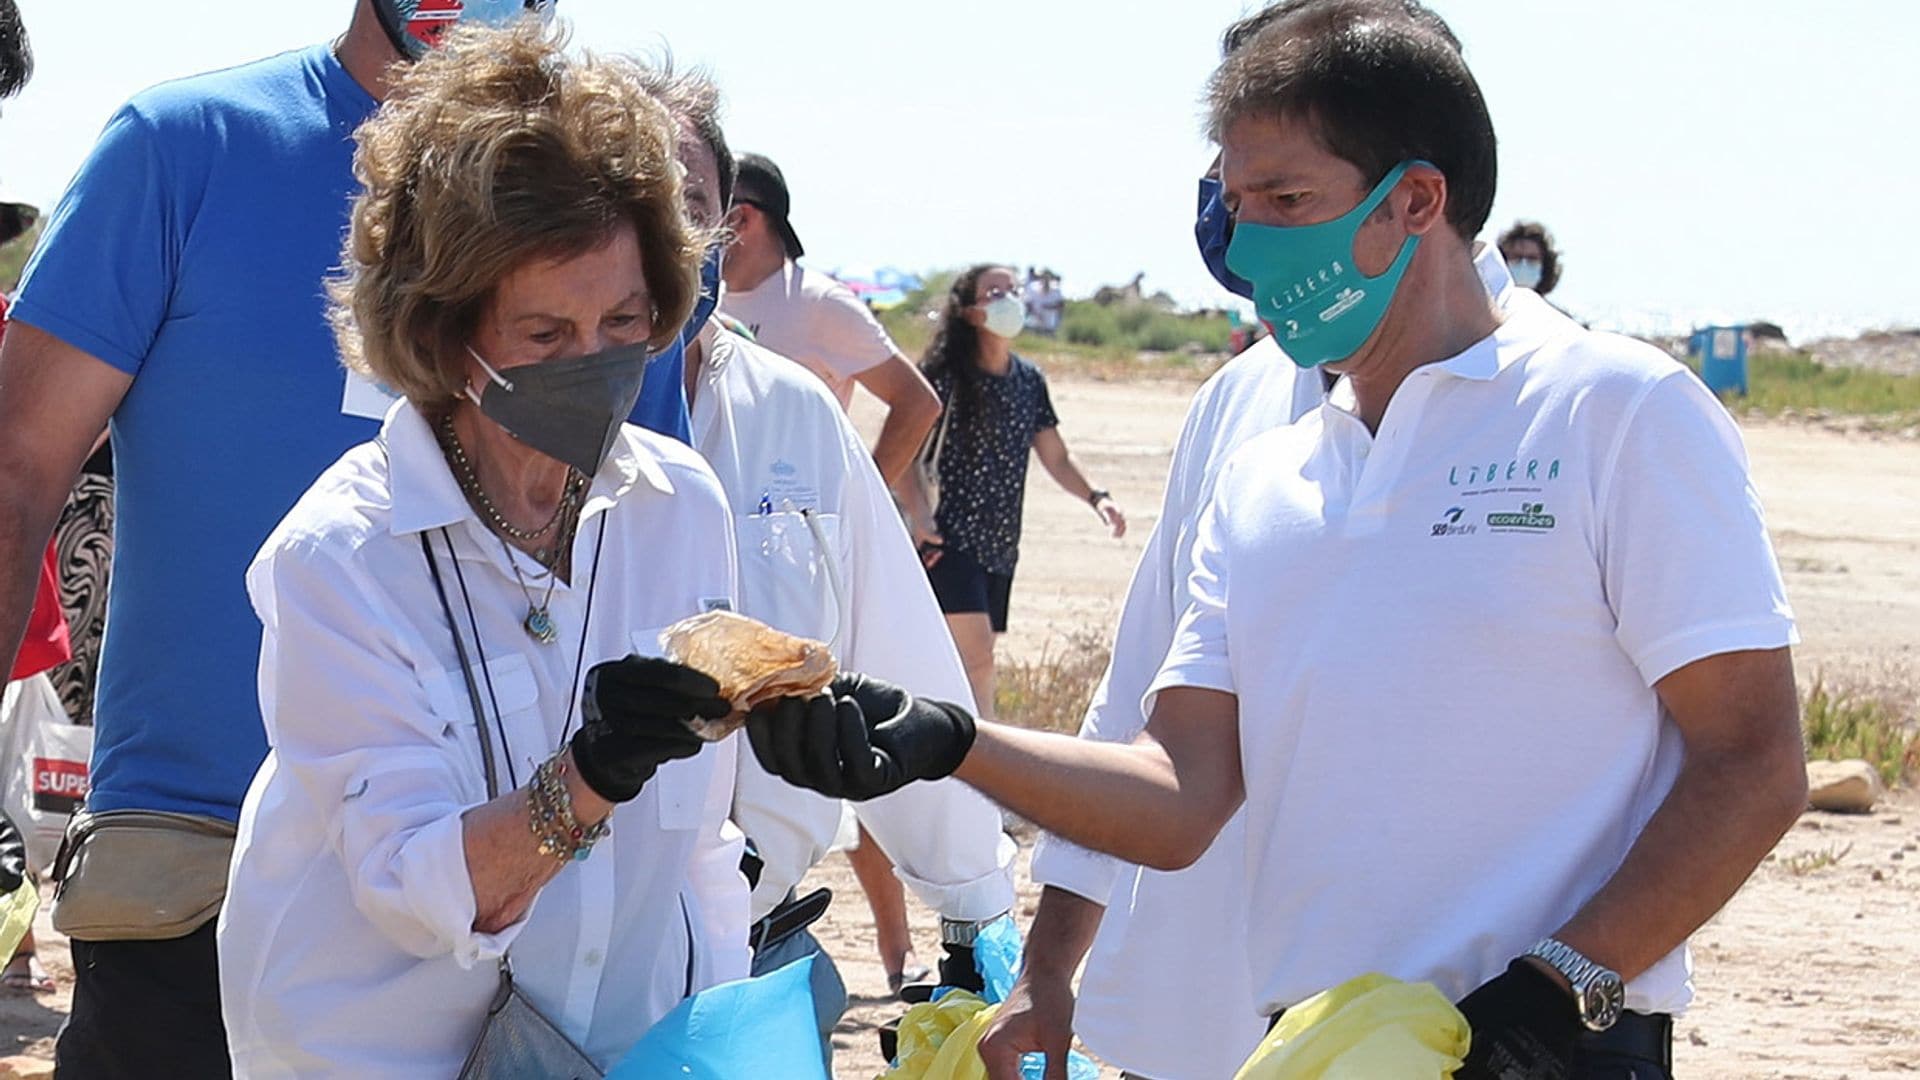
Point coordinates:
[(1812, 972)]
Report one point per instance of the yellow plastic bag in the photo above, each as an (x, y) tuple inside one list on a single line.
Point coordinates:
[(1368, 1028), (17, 909), (940, 1040)]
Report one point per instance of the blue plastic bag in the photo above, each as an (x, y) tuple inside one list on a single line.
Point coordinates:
[(746, 1030), (997, 954)]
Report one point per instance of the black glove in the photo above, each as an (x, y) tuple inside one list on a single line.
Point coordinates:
[(958, 969), (863, 739), (1525, 1027), (633, 719)]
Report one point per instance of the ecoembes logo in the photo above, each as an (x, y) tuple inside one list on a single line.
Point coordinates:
[(1533, 517)]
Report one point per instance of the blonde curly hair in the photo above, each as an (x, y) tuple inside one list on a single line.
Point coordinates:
[(495, 149)]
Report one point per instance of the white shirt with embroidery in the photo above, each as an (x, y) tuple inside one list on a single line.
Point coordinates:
[(797, 475)]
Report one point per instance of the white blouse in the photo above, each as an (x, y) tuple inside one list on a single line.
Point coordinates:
[(347, 945)]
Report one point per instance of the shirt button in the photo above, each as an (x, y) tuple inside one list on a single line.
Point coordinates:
[(593, 958)]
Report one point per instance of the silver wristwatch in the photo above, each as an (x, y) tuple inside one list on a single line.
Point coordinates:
[(1598, 994)]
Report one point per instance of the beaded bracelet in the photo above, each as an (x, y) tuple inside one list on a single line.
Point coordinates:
[(550, 815)]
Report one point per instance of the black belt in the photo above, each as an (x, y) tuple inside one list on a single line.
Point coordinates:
[(788, 919)]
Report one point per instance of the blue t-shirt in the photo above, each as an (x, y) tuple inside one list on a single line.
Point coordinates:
[(190, 252)]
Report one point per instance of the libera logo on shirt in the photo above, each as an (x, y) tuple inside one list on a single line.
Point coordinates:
[(1511, 469)]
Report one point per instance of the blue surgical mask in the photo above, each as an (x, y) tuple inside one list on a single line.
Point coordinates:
[(1526, 273), (1213, 230), (709, 294), (416, 26), (1321, 307)]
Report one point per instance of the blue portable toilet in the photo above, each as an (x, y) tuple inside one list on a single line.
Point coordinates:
[(1722, 354)]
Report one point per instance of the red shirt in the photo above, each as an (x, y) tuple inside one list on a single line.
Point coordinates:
[(46, 643)]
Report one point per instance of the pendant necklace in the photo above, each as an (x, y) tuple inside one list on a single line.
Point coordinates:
[(539, 621)]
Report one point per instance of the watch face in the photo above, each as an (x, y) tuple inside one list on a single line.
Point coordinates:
[(1602, 1002)]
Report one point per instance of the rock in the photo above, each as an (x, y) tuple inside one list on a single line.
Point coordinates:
[(1842, 787), (22, 1067)]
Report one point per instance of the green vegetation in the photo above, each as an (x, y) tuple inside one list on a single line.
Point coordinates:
[(1051, 693), (1794, 382), (1842, 725), (1808, 862)]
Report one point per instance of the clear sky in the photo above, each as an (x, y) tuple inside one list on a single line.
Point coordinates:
[(1710, 159)]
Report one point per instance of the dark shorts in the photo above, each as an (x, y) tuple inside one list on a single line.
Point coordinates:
[(138, 1005), (962, 585)]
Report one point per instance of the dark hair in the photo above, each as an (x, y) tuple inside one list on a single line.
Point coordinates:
[(955, 348), (16, 54), (14, 222), (1378, 91), (1549, 258), (1324, 11)]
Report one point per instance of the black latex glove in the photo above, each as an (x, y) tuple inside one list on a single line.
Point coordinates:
[(957, 968), (634, 715), (862, 739), (1525, 1027)]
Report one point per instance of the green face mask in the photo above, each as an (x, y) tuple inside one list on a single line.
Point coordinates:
[(1320, 306)]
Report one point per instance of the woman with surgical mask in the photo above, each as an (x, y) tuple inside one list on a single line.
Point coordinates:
[(480, 775), (1531, 258), (996, 410)]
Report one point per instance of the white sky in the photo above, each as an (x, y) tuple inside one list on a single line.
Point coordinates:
[(1704, 160)]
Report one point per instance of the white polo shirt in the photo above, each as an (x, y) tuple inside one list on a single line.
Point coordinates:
[(807, 316), (795, 474), (1447, 729), (1195, 1019)]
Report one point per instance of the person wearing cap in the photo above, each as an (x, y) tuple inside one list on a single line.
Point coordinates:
[(807, 316), (177, 293)]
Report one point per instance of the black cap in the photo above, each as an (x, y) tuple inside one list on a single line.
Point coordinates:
[(761, 185)]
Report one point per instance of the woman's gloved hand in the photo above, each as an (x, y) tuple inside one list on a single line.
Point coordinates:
[(862, 739), (634, 715)]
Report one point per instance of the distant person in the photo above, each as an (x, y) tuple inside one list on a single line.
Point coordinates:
[(807, 316), (1531, 257), (997, 411), (155, 302), (1045, 304)]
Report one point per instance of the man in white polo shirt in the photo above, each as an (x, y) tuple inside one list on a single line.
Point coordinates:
[(805, 315), (1532, 720)]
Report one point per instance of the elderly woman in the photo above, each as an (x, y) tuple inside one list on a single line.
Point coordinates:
[(467, 761)]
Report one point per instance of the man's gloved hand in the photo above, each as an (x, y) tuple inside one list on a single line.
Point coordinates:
[(1525, 1027), (633, 719), (862, 739)]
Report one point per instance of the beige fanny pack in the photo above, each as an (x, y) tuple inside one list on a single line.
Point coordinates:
[(140, 875)]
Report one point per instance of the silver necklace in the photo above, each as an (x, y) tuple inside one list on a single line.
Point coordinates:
[(539, 621), (469, 480)]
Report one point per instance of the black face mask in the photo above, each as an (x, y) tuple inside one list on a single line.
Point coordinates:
[(570, 410)]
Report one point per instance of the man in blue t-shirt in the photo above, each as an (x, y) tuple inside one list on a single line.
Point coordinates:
[(177, 298)]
